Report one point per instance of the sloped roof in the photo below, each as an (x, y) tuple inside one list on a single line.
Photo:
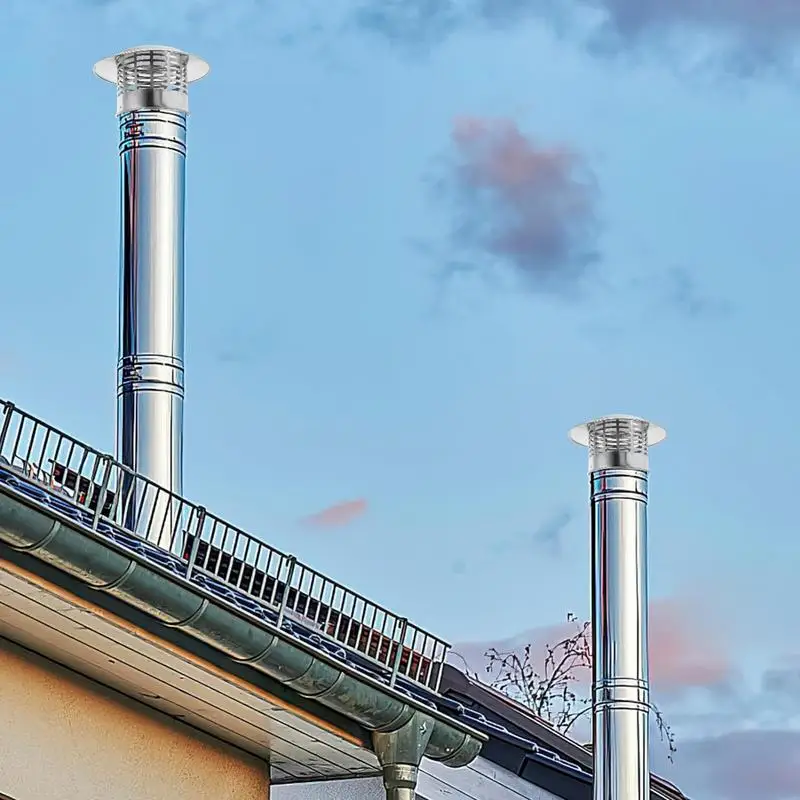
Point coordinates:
[(517, 739), (528, 745)]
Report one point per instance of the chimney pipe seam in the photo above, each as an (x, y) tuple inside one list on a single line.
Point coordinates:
[(152, 104), (618, 481)]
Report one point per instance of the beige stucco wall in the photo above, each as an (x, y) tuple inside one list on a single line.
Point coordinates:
[(64, 736)]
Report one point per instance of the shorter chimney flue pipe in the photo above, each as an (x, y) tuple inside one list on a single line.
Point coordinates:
[(618, 477), (152, 107)]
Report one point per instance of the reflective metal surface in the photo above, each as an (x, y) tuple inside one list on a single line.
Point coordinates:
[(619, 613), (83, 482), (400, 781), (152, 76), (400, 753), (150, 369), (618, 464), (152, 104)]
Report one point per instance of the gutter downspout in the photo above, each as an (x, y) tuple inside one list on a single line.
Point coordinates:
[(618, 474)]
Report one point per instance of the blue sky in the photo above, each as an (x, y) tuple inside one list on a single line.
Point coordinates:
[(329, 360)]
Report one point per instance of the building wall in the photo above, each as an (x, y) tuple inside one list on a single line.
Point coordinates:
[(64, 736), (480, 780)]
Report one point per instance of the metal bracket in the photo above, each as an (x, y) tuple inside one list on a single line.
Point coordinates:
[(200, 518), (102, 492), (292, 563), (8, 411)]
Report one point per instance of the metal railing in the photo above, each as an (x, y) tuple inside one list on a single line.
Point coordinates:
[(115, 495)]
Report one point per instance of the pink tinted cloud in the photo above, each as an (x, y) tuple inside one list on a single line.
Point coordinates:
[(529, 206), (686, 649), (338, 515)]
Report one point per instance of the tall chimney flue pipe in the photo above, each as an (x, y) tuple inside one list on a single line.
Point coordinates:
[(152, 107), (618, 475)]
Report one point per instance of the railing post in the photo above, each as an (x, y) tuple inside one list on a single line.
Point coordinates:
[(439, 667), (198, 529), (292, 562), (8, 410), (101, 500), (399, 654)]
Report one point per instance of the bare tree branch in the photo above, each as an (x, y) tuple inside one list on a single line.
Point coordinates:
[(554, 690)]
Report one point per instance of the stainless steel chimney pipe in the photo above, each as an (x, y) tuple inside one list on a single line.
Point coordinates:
[(152, 106), (618, 473)]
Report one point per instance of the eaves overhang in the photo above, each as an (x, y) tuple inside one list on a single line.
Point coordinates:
[(50, 615), (307, 664)]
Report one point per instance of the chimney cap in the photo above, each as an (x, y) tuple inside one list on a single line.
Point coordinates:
[(152, 77), (580, 434), (618, 440), (196, 67)]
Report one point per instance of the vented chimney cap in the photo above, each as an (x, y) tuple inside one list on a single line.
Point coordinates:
[(152, 77), (618, 440)]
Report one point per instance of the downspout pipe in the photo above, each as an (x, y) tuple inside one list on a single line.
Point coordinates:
[(179, 603), (618, 476), (152, 108)]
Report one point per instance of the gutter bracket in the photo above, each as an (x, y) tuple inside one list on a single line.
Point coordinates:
[(400, 753)]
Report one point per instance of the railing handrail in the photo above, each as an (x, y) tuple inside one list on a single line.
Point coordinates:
[(8, 405), (100, 484), (287, 556)]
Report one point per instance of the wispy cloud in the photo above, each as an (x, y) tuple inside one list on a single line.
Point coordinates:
[(413, 25), (550, 535), (175, 12), (417, 25), (338, 515), (209, 19), (751, 34), (515, 203), (782, 681), (678, 290), (240, 348), (547, 537), (736, 738), (748, 744), (686, 649), (743, 764)]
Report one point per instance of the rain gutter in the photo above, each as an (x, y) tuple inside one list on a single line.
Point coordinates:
[(179, 604)]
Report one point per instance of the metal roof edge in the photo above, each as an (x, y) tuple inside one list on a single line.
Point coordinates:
[(299, 662), (459, 686)]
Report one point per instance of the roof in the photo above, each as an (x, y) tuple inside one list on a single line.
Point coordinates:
[(15, 485), (528, 745), (97, 493), (72, 507), (219, 567)]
